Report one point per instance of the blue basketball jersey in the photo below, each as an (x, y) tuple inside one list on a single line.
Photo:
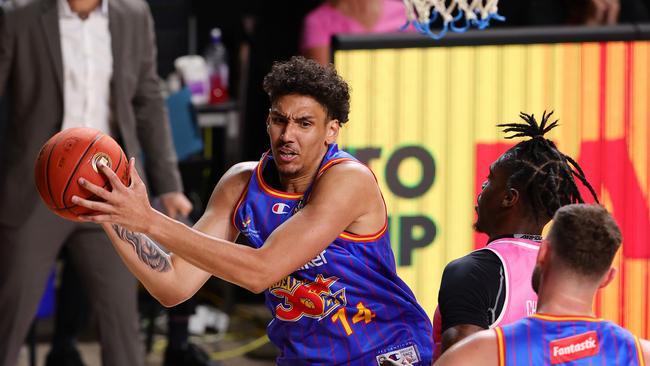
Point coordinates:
[(345, 306), (565, 340)]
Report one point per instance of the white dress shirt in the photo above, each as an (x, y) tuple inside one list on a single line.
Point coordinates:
[(87, 67)]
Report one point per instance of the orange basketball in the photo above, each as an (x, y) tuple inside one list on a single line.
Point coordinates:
[(69, 155)]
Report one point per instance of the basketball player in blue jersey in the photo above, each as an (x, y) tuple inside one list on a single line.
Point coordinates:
[(571, 266), (317, 224)]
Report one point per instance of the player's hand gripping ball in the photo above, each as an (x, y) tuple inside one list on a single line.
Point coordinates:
[(69, 155)]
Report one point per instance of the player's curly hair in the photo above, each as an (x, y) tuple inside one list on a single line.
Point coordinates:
[(307, 77), (543, 174)]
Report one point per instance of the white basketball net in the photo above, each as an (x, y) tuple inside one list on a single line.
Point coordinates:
[(478, 13)]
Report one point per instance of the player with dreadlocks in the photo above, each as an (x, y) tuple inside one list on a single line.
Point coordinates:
[(525, 186)]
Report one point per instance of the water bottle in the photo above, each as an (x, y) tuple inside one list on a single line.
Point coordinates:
[(217, 60), (194, 72)]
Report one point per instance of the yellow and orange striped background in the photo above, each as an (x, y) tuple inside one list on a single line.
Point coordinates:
[(448, 101)]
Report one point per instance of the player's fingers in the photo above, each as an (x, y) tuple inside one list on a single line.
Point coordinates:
[(172, 212), (111, 176), (101, 218), (93, 205), (186, 208), (100, 192), (133, 173), (179, 207)]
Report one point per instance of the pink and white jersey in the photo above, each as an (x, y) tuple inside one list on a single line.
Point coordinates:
[(518, 257)]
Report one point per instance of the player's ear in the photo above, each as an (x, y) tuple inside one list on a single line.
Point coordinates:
[(609, 276), (542, 255), (511, 197), (333, 127)]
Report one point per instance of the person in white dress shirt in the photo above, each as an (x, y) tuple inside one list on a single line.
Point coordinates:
[(66, 64)]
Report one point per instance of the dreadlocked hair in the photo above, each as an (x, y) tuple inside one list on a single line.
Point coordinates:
[(542, 172)]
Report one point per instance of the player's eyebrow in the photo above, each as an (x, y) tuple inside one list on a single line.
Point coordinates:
[(307, 117), (277, 113)]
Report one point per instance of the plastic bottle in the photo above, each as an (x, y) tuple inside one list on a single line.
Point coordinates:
[(217, 61), (194, 72)]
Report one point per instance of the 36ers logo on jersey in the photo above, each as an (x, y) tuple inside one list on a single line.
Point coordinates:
[(280, 208), (574, 347), (311, 299)]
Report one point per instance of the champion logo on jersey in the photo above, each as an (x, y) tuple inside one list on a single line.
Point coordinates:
[(280, 208), (574, 347)]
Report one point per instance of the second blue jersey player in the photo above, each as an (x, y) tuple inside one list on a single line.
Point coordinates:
[(573, 263), (316, 221)]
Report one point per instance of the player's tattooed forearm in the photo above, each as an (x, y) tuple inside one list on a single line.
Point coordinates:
[(146, 249)]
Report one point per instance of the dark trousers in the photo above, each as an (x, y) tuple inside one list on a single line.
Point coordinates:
[(27, 254)]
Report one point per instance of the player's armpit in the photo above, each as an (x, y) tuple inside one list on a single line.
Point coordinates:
[(457, 333)]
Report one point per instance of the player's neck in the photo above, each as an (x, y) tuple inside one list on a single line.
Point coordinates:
[(303, 179), (526, 228), (298, 182), (565, 296), (515, 221), (295, 185)]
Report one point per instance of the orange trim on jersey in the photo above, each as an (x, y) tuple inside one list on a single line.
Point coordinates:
[(241, 200), (332, 162), (270, 191), (561, 318), (501, 346), (639, 351), (372, 237)]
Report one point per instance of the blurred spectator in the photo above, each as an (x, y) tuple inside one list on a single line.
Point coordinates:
[(348, 16), (576, 12)]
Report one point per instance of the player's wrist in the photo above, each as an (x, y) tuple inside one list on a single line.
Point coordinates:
[(152, 221), (161, 228)]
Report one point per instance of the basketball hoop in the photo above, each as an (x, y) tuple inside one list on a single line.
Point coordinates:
[(477, 13)]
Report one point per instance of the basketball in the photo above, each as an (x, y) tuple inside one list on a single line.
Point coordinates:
[(69, 155)]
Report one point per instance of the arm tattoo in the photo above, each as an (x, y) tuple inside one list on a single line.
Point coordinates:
[(145, 248)]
